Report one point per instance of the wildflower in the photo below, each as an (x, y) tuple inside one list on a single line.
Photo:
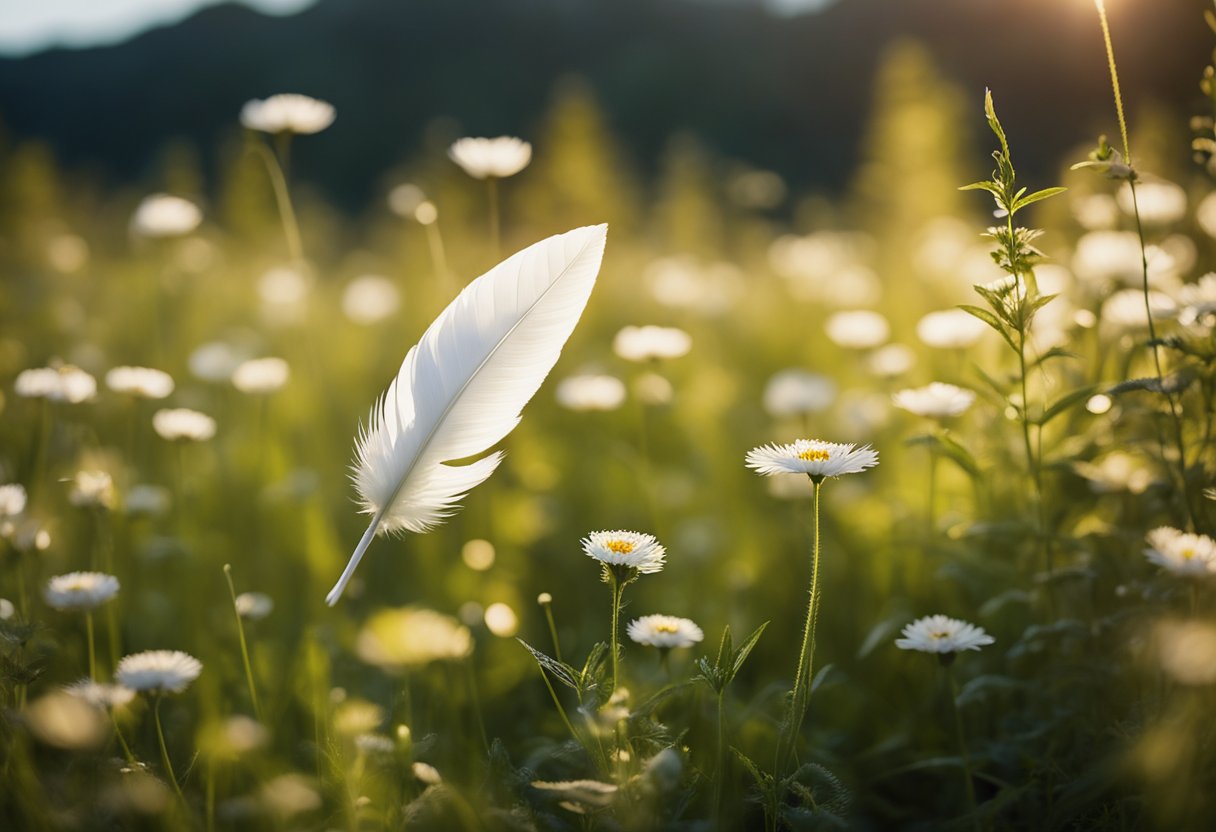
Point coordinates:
[(633, 550), (260, 375), (1124, 309), (664, 631), (99, 695), (858, 329), (7, 610), (370, 299), (491, 158), (158, 671), (501, 620), (579, 796), (942, 635), (65, 383), (80, 590), (164, 215), (140, 382), (64, 721), (651, 343), (1160, 202), (1197, 301), (410, 637), (812, 457), (357, 716), (404, 200), (1187, 651), (950, 329), (287, 113), (290, 794), (426, 213), (1107, 161), (796, 392), (185, 425), (891, 360), (12, 500), (591, 392), (215, 361), (936, 400), (544, 599), (653, 389), (1187, 555), (93, 489), (254, 605)]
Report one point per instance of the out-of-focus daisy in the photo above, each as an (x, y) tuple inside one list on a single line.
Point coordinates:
[(1104, 257), (140, 382), (591, 391), (858, 329), (936, 400), (260, 375), (426, 213), (1197, 301), (12, 500), (1125, 310), (404, 200), (158, 671), (288, 795), (370, 299), (254, 605), (813, 457), (1160, 202), (653, 389), (501, 620), (665, 631), (183, 425), (579, 796), (942, 635), (284, 296), (1187, 555), (93, 489), (484, 158), (165, 215), (796, 392), (410, 637), (950, 329), (65, 383), (100, 695), (1116, 471), (426, 773), (215, 361), (1187, 651), (891, 360), (651, 343), (80, 590), (287, 113), (7, 610), (634, 550), (357, 716), (1096, 212), (233, 737)]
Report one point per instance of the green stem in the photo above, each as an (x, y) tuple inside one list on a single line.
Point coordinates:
[(617, 592), (806, 655), (495, 233), (721, 773), (439, 258), (164, 750), (557, 646), (558, 704), (931, 515), (240, 631), (278, 181), (952, 692), (126, 749), (1114, 79), (88, 629), (210, 810)]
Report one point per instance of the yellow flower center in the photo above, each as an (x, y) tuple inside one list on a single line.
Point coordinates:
[(1188, 554), (666, 628), (621, 547), (814, 455), (939, 635)]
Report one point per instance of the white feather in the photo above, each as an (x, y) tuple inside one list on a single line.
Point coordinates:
[(461, 389)]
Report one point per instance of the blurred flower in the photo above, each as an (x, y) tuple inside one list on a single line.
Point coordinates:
[(683, 283), (665, 631), (140, 382), (939, 634), (65, 383), (1125, 309), (813, 457), (287, 113), (369, 299), (1099, 403), (260, 375), (1186, 555), (478, 554), (827, 267), (936, 400), (471, 614), (950, 329), (67, 253), (653, 389), (501, 620), (92, 489), (796, 392), (648, 343), (404, 200), (7, 610), (357, 716), (621, 548), (1205, 214), (106, 697), (891, 360), (756, 189), (215, 361), (859, 329), (284, 295), (579, 796), (410, 637), (1096, 212), (158, 671), (1160, 202), (234, 737), (1103, 257), (591, 392), (544, 599), (147, 499), (80, 590), (181, 424), (374, 744), (427, 774), (61, 720), (290, 794), (254, 605), (664, 770), (164, 215), (1187, 651), (12, 500), (485, 158), (1116, 471), (1197, 301)]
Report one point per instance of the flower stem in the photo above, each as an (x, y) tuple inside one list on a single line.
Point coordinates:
[(617, 591), (88, 629), (164, 750), (439, 260), (952, 693), (126, 749), (557, 645), (806, 655), (720, 775), (278, 181), (495, 233), (240, 631)]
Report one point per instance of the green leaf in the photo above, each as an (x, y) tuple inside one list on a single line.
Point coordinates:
[(741, 655), (880, 633), (959, 455), (992, 321), (991, 187), (1038, 196), (1065, 402), (1054, 352), (561, 671)]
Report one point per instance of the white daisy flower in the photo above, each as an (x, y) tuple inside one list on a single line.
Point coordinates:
[(1179, 553), (370, 299), (158, 671), (287, 113), (215, 361), (260, 375), (181, 424), (591, 391), (93, 489), (501, 620), (794, 392), (101, 695), (813, 457), (1187, 651), (411, 637), (665, 631), (254, 605), (1159, 202), (621, 548), (485, 158), (65, 383), (12, 500), (651, 343), (140, 382), (891, 360), (950, 329), (940, 634), (80, 590), (164, 215), (859, 329), (936, 400)]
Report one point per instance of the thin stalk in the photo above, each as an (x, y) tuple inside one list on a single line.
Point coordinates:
[(164, 750), (278, 181), (210, 810), (557, 645), (617, 592), (721, 773), (558, 704), (439, 260), (476, 701), (240, 631), (952, 692), (495, 232), (88, 629), (126, 749)]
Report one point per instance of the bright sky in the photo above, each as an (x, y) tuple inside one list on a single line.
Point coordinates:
[(30, 25)]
